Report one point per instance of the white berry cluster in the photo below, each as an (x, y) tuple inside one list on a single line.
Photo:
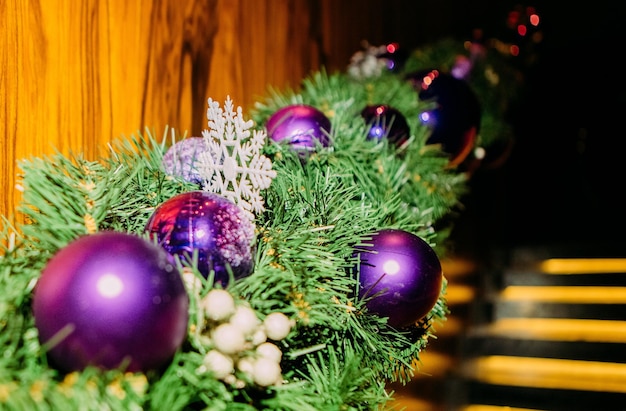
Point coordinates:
[(367, 63), (241, 347)]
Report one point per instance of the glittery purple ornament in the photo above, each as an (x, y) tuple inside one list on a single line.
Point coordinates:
[(303, 127), (210, 225), (402, 275), (455, 120), (111, 300), (180, 159), (386, 122)]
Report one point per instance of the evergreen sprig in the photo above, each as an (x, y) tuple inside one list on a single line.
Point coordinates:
[(321, 209)]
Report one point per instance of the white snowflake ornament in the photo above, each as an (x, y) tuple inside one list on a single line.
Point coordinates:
[(232, 166)]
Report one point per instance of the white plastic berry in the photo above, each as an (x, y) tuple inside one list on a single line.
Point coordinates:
[(228, 339), (277, 326), (246, 365), (191, 281), (259, 337), (266, 372), (269, 351), (218, 305), (221, 365), (245, 319)]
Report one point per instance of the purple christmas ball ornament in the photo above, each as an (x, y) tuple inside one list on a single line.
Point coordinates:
[(111, 300), (210, 225), (180, 159), (302, 126), (455, 120), (401, 276), (386, 122)]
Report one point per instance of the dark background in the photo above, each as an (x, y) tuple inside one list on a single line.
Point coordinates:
[(563, 183)]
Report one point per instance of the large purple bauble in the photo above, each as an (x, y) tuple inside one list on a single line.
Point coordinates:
[(180, 159), (403, 275), (302, 126), (455, 121), (386, 122), (111, 300), (210, 225)]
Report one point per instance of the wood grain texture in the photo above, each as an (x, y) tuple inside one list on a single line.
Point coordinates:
[(75, 75)]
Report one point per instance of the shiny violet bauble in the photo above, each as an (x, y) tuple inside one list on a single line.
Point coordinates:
[(210, 225), (111, 300), (403, 275), (455, 120), (180, 159), (302, 126), (386, 122)]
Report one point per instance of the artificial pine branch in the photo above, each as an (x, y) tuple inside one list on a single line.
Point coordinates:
[(320, 210)]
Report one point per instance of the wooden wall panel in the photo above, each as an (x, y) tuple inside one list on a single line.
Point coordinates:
[(76, 74)]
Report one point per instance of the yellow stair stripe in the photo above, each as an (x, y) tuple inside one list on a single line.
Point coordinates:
[(565, 294), (481, 407), (407, 402), (558, 329), (433, 364), (459, 294), (583, 265), (458, 267), (548, 373)]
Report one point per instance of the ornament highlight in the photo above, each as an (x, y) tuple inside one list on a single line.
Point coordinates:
[(111, 300), (210, 225), (455, 120), (302, 126), (401, 276), (386, 122)]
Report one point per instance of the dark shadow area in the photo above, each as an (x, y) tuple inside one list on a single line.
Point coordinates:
[(564, 180)]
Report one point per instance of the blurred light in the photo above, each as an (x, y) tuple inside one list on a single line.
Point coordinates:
[(427, 80), (392, 47), (377, 131), (521, 30), (512, 19), (534, 19), (514, 50), (480, 153)]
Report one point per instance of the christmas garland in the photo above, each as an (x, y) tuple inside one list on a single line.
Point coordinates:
[(280, 308)]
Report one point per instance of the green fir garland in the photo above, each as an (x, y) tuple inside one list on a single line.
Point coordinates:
[(318, 212)]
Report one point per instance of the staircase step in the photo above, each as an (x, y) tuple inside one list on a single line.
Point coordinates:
[(485, 407), (526, 309), (508, 398), (548, 333), (545, 373), (564, 294), (558, 329), (537, 278), (572, 350)]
